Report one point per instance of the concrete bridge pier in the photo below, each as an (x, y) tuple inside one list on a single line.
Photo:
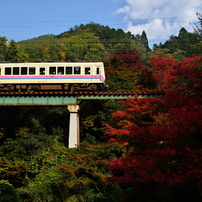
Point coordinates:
[(74, 130)]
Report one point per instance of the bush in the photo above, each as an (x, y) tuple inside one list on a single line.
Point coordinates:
[(7, 192)]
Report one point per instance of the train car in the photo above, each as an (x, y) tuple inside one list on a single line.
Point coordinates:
[(69, 76)]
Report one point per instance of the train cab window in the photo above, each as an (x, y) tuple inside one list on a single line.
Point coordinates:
[(77, 70), (8, 71), (23, 70), (52, 70), (42, 70), (16, 70), (32, 70), (98, 71), (60, 70), (68, 70), (87, 70)]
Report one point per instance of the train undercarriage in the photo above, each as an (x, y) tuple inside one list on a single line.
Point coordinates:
[(52, 87)]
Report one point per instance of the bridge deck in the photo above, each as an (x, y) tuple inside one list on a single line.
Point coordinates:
[(60, 98)]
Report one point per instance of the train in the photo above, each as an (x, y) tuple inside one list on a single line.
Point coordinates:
[(64, 76)]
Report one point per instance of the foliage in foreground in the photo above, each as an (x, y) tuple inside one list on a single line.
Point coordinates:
[(7, 192), (52, 172), (163, 138)]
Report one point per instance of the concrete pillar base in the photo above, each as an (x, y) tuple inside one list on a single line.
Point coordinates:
[(74, 130)]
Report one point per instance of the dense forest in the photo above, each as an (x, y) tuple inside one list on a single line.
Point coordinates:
[(134, 150)]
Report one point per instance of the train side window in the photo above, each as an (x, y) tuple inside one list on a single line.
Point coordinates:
[(77, 70), (32, 70), (68, 70), (52, 70), (23, 70), (42, 70), (8, 71), (0, 71), (60, 70), (87, 70), (16, 70), (98, 71)]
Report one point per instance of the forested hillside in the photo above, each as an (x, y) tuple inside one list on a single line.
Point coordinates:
[(134, 150), (89, 42)]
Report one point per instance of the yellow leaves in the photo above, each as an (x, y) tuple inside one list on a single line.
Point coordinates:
[(62, 54), (46, 50), (161, 52), (23, 132), (5, 181), (89, 121)]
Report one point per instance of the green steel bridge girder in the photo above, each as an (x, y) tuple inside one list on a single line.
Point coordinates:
[(60, 100), (37, 100)]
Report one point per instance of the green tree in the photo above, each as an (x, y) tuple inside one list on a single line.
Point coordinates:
[(84, 42), (7, 192), (111, 38), (198, 29), (84, 45), (184, 44), (11, 51)]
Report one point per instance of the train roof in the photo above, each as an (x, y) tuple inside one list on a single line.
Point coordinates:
[(52, 63)]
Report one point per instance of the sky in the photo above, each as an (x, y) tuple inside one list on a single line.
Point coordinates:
[(27, 19)]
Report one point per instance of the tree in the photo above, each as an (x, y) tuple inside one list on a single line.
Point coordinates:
[(163, 140), (145, 40), (7, 192), (34, 159), (198, 29), (112, 39), (123, 70), (161, 69), (83, 46), (11, 51), (182, 44)]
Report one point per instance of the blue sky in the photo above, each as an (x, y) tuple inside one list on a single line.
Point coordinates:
[(26, 19)]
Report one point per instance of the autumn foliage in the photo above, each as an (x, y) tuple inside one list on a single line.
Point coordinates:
[(162, 135), (123, 70)]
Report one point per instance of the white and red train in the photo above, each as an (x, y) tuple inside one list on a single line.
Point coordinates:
[(69, 76)]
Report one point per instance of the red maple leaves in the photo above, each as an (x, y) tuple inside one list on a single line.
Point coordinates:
[(162, 135)]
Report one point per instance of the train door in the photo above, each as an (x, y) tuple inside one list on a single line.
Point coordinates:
[(42, 73), (95, 74)]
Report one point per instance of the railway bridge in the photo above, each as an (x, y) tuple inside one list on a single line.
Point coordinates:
[(69, 99)]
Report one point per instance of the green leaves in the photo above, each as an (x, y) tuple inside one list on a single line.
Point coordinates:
[(11, 51), (7, 192)]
